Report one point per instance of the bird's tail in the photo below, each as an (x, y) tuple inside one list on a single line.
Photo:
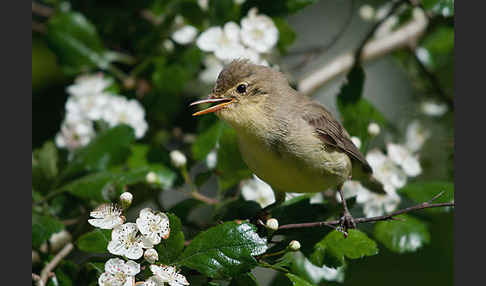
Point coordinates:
[(373, 185), (365, 177)]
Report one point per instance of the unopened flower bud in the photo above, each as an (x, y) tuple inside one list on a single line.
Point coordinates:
[(366, 12), (373, 129), (272, 224), (294, 245), (126, 199), (151, 177), (59, 240), (178, 158), (151, 255)]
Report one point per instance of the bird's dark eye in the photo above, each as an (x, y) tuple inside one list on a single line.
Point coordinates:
[(241, 88)]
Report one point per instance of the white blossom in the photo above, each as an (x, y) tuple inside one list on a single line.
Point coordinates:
[(213, 67), (126, 242), (178, 158), (404, 158), (169, 274), (130, 112), (224, 42), (356, 141), (91, 84), (203, 4), (154, 281), (153, 226), (373, 129), (239, 2), (257, 190), (119, 273), (379, 204), (151, 255), (75, 134), (367, 12), (106, 216), (386, 171), (416, 135), (353, 189), (258, 32), (185, 34), (423, 55), (431, 108), (89, 106)]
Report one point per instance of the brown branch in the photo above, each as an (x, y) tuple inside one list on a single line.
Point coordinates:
[(42, 10), (373, 49), (47, 271), (390, 216), (203, 198), (375, 27)]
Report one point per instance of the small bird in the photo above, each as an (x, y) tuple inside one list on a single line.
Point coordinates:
[(289, 141)]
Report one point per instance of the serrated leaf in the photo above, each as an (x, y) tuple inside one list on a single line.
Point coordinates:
[(402, 236), (76, 42), (43, 226), (169, 249), (107, 185), (334, 248), (424, 191), (95, 241), (297, 281), (106, 149), (225, 250)]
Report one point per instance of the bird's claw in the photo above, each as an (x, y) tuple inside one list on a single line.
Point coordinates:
[(346, 222)]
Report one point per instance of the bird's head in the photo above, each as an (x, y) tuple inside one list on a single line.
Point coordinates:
[(241, 91)]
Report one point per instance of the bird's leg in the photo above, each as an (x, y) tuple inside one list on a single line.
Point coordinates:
[(347, 220)]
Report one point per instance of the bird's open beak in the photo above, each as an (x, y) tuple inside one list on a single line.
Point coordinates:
[(212, 99)]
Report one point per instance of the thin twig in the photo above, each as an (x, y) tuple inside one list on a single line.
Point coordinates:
[(390, 216), (397, 39), (44, 275), (375, 27)]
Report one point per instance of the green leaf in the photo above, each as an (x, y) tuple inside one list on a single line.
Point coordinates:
[(76, 42), (95, 241), (44, 165), (225, 250), (206, 141), (108, 148), (286, 35), (297, 281), (357, 112), (442, 7), (424, 191), (402, 236), (43, 226), (332, 250), (231, 168), (223, 11), (246, 279), (107, 185), (169, 249)]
